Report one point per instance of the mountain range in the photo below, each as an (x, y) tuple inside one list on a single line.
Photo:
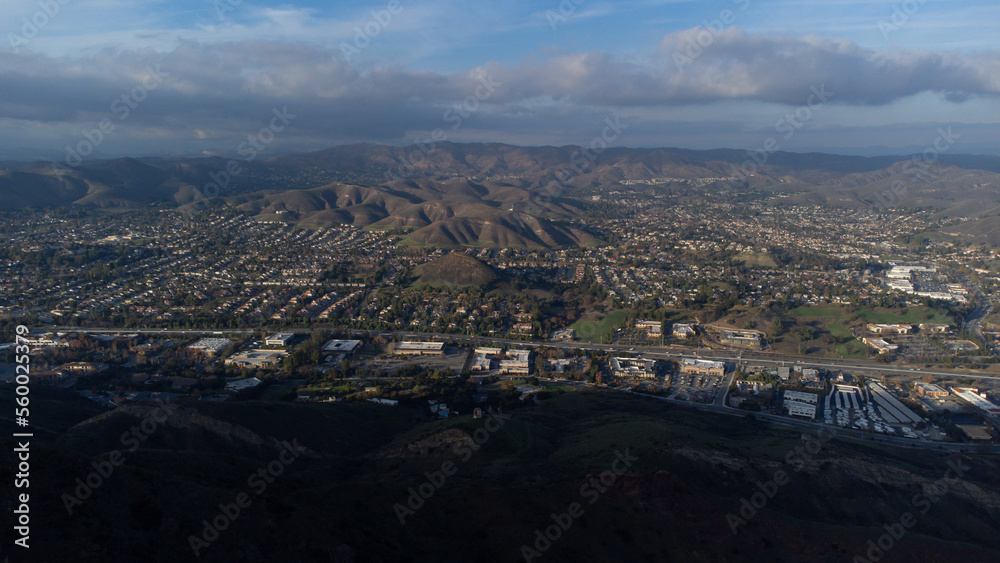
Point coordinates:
[(494, 194)]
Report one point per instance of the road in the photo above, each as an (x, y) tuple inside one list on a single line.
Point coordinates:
[(654, 352), (717, 406), (973, 320)]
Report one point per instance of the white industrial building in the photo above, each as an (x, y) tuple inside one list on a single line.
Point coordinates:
[(804, 410), (279, 339)]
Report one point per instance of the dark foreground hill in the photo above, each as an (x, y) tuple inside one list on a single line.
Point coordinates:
[(456, 269), (610, 477)]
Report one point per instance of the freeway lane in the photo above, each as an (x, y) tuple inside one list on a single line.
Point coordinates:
[(655, 352)]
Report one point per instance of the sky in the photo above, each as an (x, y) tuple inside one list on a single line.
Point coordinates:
[(162, 77)]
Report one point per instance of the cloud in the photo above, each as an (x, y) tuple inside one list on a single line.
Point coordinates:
[(760, 67), (221, 91)]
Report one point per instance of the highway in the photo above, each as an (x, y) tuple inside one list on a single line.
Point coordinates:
[(655, 352), (658, 352)]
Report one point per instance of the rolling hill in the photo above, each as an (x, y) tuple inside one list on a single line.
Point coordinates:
[(456, 269), (496, 194)]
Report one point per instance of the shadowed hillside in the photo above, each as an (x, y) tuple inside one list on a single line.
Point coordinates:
[(681, 474), (456, 269)]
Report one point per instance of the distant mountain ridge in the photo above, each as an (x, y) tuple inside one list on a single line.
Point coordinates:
[(497, 194)]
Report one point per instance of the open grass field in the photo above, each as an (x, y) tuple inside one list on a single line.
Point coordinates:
[(823, 311), (759, 259), (913, 315), (596, 331)]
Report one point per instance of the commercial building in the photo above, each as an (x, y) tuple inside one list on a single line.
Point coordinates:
[(741, 338), (409, 348), (482, 358), (810, 377), (515, 362), (682, 330), (930, 390), (973, 396), (893, 411), (702, 367), (803, 410), (889, 329), (280, 339), (653, 328), (784, 373), (209, 346), (255, 358), (975, 433), (638, 368), (810, 398), (880, 345), (341, 346), (241, 384)]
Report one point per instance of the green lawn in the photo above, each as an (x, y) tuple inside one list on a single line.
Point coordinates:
[(839, 330), (913, 315), (852, 349), (588, 331), (824, 311)]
